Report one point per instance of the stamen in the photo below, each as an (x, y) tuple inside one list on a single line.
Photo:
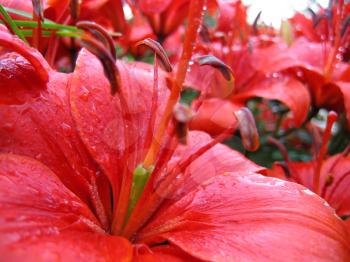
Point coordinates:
[(194, 23), (74, 7), (215, 62), (106, 59), (143, 212), (285, 168), (255, 23), (100, 33), (204, 33), (159, 51), (283, 150), (182, 115), (332, 117), (37, 9), (248, 130)]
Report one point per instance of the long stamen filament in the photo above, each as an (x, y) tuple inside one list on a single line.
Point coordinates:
[(194, 23)]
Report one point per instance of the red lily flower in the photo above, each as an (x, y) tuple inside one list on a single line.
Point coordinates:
[(327, 176), (166, 16), (70, 152), (240, 47), (319, 64)]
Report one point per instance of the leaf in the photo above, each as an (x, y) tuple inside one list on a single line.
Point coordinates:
[(11, 25)]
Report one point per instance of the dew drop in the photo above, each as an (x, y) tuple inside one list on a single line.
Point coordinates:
[(8, 127), (84, 94), (66, 129)]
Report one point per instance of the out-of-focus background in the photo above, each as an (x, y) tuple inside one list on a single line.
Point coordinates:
[(273, 11)]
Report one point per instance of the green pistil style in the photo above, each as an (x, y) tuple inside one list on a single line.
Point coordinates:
[(140, 178)]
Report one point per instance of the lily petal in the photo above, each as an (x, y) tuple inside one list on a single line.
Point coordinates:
[(39, 125), (102, 120), (288, 90), (214, 162), (215, 115), (239, 217), (41, 220)]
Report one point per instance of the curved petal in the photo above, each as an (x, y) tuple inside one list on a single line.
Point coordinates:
[(239, 217), (337, 193), (24, 72), (215, 161), (304, 27), (215, 116), (35, 203), (162, 253), (75, 246), (41, 220), (334, 180), (102, 120), (288, 90), (40, 126), (303, 53), (13, 43)]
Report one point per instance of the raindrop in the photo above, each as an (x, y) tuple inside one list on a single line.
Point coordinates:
[(66, 129), (300, 73), (84, 93), (276, 75), (339, 56), (8, 126)]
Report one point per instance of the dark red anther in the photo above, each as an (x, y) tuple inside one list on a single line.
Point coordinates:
[(248, 130), (37, 8), (285, 169), (108, 62), (100, 33), (74, 6), (255, 23), (159, 51), (215, 62), (182, 114)]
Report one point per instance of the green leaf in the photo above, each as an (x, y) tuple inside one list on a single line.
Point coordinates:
[(9, 22)]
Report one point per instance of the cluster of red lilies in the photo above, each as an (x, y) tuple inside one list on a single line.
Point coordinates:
[(118, 135)]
